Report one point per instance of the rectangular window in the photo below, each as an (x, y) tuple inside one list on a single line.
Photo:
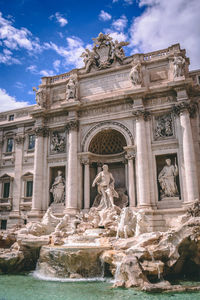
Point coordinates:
[(9, 145), (31, 141), (3, 224), (6, 189), (11, 118), (29, 188)]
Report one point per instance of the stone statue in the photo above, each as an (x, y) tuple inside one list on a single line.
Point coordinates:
[(71, 88), (179, 63), (127, 223), (58, 188), (117, 51), (57, 143), (167, 179), (89, 58), (40, 97), (135, 74), (105, 182)]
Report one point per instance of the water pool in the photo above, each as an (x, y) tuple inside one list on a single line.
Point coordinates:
[(21, 287)]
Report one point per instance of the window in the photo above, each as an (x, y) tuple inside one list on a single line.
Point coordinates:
[(199, 80), (11, 118), (31, 141), (9, 147), (3, 224), (6, 189), (29, 188)]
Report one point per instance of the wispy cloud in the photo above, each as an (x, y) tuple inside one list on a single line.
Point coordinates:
[(19, 85), (128, 2), (6, 57), (8, 102), (56, 65), (32, 69), (59, 19), (104, 16), (120, 24), (14, 38), (71, 53), (166, 22), (46, 73)]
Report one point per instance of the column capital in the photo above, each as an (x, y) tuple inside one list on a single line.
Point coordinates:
[(72, 125), (41, 131), (142, 113), (190, 107), (85, 160)]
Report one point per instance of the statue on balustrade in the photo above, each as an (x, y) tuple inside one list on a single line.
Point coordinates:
[(71, 88), (135, 74), (167, 179), (105, 182), (179, 63), (58, 188)]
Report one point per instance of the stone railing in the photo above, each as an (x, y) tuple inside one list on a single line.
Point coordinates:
[(5, 204), (160, 53)]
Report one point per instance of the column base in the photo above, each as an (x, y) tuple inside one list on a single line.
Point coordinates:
[(35, 215), (147, 206), (71, 211)]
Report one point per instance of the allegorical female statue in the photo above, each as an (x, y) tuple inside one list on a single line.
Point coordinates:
[(58, 188), (167, 179)]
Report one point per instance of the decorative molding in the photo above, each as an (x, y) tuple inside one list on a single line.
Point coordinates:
[(19, 139), (101, 124), (72, 125), (142, 113), (191, 107)]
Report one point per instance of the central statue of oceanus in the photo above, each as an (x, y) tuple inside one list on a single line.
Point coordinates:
[(105, 182)]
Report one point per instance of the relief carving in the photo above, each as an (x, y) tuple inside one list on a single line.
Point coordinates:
[(57, 143), (163, 126)]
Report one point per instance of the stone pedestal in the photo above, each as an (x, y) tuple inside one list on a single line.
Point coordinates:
[(169, 202)]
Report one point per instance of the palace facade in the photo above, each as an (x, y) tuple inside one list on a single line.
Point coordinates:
[(137, 114)]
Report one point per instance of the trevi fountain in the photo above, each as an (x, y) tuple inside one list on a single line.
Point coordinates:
[(100, 181)]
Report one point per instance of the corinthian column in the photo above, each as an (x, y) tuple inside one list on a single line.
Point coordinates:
[(72, 178), (143, 180), (131, 176), (86, 163), (38, 174), (19, 142), (185, 109)]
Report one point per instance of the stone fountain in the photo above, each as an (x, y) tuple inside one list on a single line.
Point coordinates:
[(106, 240)]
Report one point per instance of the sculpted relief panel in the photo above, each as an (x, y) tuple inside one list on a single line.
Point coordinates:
[(163, 126)]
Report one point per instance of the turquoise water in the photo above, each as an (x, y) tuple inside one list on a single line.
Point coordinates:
[(21, 287)]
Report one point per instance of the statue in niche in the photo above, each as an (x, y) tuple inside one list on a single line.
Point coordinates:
[(71, 88), (135, 74), (167, 179), (105, 182), (179, 63), (40, 97), (164, 126), (58, 189), (57, 143)]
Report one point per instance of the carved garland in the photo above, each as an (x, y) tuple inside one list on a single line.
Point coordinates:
[(72, 125), (107, 123), (41, 131)]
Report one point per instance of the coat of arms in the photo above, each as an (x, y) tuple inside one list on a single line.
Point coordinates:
[(104, 53)]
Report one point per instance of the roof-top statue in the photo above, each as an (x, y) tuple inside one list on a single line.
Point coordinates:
[(105, 51)]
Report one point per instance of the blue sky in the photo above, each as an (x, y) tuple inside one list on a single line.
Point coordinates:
[(43, 38)]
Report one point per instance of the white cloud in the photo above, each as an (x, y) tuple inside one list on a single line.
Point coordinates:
[(129, 2), (71, 53), (59, 19), (56, 65), (104, 16), (120, 24), (8, 102), (120, 36), (19, 85), (14, 38), (7, 58), (47, 73), (166, 22), (32, 69)]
